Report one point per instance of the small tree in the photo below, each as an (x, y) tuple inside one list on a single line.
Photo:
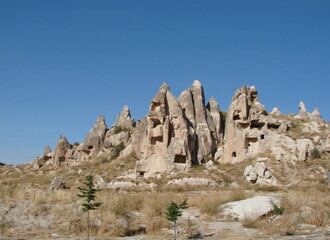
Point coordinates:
[(89, 195), (174, 211)]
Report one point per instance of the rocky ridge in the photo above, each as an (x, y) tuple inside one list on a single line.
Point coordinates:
[(178, 133)]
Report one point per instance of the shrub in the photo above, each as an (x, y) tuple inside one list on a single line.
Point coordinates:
[(116, 150), (174, 211), (118, 129), (104, 160), (315, 154)]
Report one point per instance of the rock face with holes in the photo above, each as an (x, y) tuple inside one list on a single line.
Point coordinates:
[(250, 130), (95, 138), (180, 132), (60, 151), (177, 132), (246, 126)]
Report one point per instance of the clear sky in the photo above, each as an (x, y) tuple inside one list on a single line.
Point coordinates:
[(63, 63)]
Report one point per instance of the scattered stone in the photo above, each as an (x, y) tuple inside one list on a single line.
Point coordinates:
[(100, 183), (192, 182), (57, 183), (259, 174), (209, 164)]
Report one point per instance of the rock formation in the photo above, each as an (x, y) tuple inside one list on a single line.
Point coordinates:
[(177, 132), (60, 151), (303, 112), (124, 119), (180, 132), (246, 126), (259, 174), (276, 111)]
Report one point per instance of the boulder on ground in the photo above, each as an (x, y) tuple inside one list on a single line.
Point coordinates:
[(259, 174), (251, 208), (57, 183)]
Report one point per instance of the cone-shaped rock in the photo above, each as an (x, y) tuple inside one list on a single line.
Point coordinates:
[(61, 148), (206, 144), (95, 138), (124, 118)]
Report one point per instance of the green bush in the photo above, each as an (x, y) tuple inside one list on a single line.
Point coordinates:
[(118, 129), (315, 154), (116, 150), (104, 160)]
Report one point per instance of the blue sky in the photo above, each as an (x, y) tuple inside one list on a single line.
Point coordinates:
[(63, 63)]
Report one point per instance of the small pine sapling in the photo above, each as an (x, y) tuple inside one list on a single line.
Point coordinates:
[(174, 211), (88, 194)]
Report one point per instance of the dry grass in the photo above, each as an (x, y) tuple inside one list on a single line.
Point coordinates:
[(252, 223), (209, 203), (305, 206), (133, 211)]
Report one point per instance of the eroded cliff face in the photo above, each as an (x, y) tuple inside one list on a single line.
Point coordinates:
[(180, 132), (177, 133)]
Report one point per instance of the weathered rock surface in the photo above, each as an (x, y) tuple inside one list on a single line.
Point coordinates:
[(192, 182), (251, 208), (247, 126), (303, 112), (60, 151), (276, 111), (180, 132), (259, 174), (124, 119), (57, 183), (177, 132), (95, 138)]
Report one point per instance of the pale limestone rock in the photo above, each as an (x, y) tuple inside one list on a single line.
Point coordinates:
[(42, 160), (311, 127), (246, 126), (128, 151), (282, 147), (177, 132), (57, 183), (209, 164), (124, 118), (166, 143), (95, 138), (139, 137), (214, 110), (100, 183), (115, 139), (251, 208), (192, 182), (316, 116), (187, 105), (120, 184), (206, 141), (259, 174), (316, 139), (303, 112), (304, 148), (219, 154), (276, 111), (60, 150)]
